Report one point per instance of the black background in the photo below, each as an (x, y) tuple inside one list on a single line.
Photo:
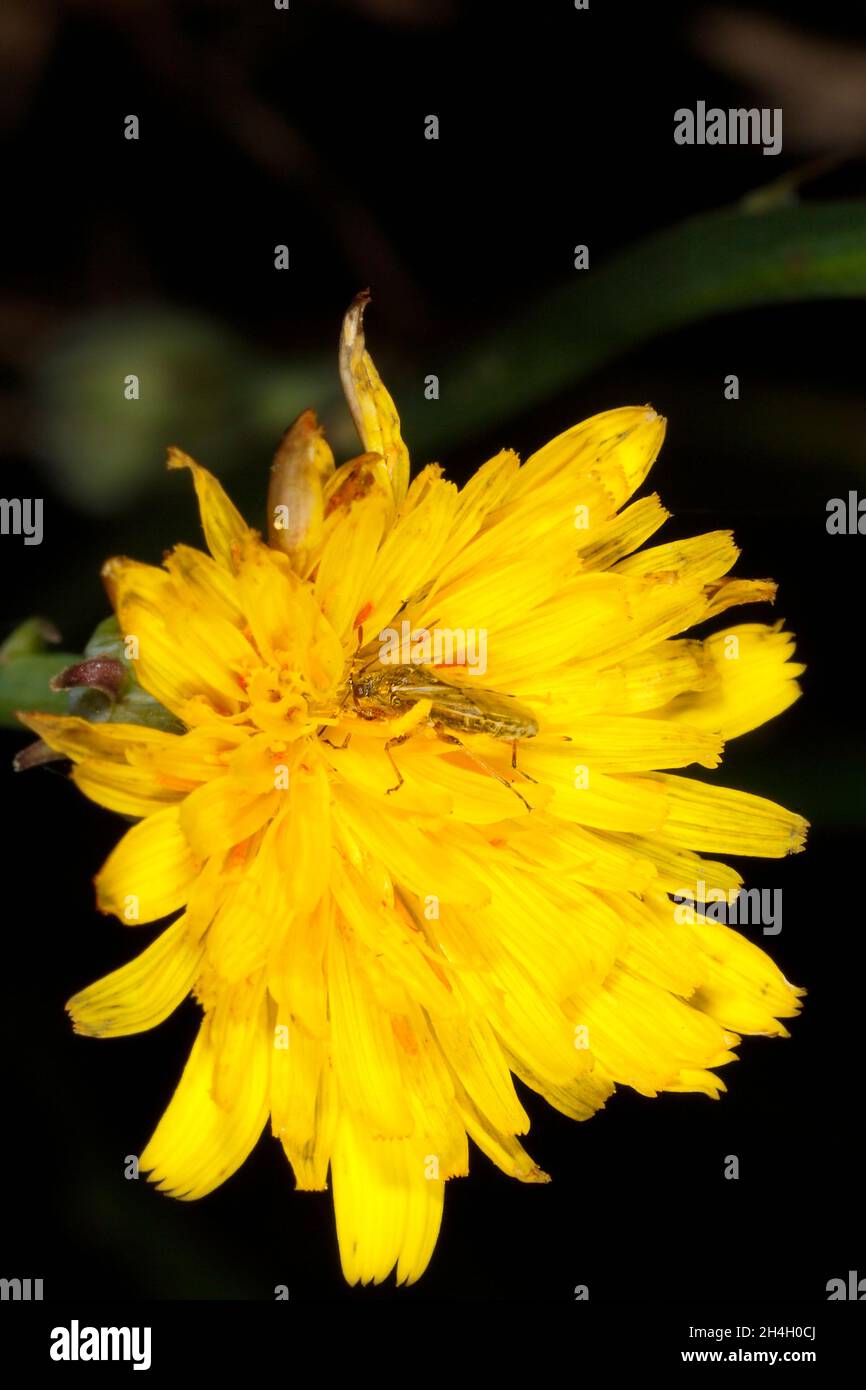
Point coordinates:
[(556, 128)]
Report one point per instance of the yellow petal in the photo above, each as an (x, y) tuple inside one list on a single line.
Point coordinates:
[(104, 754), (130, 791), (748, 679), (181, 653), (225, 530), (388, 1212), (741, 986), (704, 816), (363, 1045), (303, 1108), (221, 814), (141, 994), (620, 445), (197, 1143), (150, 872), (373, 410), (501, 1148)]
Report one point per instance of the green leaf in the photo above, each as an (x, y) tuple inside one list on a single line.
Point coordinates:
[(24, 685)]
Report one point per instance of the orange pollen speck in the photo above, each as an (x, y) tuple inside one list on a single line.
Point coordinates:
[(404, 1035), (238, 855), (177, 784)]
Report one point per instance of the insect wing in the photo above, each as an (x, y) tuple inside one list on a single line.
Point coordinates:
[(482, 711)]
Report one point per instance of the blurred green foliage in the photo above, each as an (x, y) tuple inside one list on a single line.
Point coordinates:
[(199, 385), (203, 388)]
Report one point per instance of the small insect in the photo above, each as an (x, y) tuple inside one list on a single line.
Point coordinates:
[(470, 711), (376, 691)]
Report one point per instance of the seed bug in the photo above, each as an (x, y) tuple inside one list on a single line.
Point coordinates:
[(378, 690)]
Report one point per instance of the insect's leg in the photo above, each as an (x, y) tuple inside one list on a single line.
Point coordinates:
[(339, 746), (403, 728), (327, 725), (452, 738), (514, 763), (392, 743)]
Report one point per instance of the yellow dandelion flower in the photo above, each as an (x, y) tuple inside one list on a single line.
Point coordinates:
[(406, 878)]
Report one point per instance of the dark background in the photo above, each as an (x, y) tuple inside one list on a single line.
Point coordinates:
[(261, 127)]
